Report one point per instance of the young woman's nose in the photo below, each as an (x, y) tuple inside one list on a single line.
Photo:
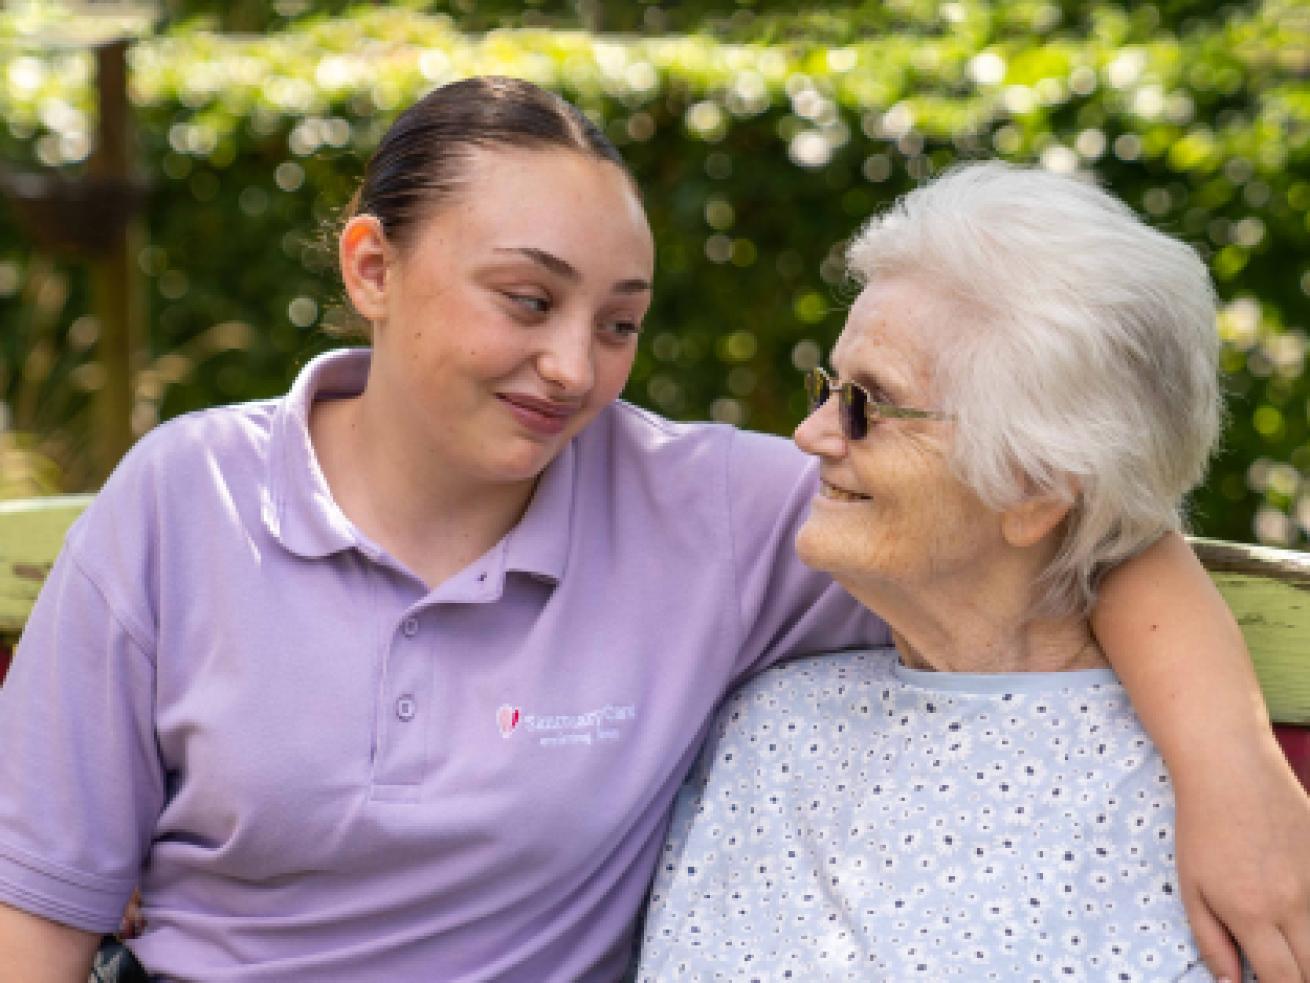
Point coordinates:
[(566, 360), (820, 433)]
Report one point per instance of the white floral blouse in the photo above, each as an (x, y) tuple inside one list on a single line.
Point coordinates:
[(851, 819)]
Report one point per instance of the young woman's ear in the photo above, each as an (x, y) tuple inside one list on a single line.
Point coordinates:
[(363, 253), (1032, 520)]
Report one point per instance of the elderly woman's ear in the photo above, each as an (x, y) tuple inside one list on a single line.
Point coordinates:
[(1033, 519)]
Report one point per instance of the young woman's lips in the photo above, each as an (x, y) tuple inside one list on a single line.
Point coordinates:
[(541, 416)]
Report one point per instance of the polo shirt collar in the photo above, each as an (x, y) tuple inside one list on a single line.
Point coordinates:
[(539, 544), (298, 507), (300, 513)]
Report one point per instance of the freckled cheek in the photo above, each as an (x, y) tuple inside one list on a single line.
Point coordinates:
[(892, 534), (612, 371), (902, 527), (485, 361), (612, 387)]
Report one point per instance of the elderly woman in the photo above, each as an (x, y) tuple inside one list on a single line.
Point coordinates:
[(1023, 392)]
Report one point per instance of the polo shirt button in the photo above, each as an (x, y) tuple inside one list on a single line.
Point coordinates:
[(406, 708), (410, 627)]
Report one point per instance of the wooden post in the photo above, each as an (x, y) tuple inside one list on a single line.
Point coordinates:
[(592, 15), (115, 292)]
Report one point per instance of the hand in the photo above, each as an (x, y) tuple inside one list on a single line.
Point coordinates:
[(134, 921), (1243, 834)]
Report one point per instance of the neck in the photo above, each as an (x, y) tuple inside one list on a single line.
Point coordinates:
[(979, 623), (399, 493), (1040, 645)]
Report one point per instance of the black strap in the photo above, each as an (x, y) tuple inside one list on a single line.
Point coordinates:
[(115, 963)]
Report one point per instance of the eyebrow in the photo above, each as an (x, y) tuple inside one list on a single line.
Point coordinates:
[(563, 268), (886, 386), (871, 381)]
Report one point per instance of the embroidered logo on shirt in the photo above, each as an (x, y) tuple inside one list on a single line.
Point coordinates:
[(507, 718), (608, 723)]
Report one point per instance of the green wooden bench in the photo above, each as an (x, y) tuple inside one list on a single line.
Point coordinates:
[(31, 532), (1268, 590)]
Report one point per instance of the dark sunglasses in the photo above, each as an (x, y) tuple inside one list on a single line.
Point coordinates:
[(856, 409)]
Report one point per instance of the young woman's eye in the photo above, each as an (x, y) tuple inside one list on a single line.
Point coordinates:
[(531, 303), (623, 327)]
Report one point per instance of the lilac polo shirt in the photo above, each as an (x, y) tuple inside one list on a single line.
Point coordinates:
[(320, 769)]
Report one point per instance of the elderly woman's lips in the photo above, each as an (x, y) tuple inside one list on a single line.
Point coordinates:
[(829, 490)]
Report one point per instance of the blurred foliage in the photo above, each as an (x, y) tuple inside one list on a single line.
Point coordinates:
[(761, 138)]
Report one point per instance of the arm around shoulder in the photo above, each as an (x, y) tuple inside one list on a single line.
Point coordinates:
[(37, 950), (1243, 820), (1178, 650)]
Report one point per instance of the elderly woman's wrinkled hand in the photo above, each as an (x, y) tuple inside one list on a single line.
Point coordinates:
[(1244, 869)]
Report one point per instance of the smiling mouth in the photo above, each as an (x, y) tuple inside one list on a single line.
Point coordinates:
[(539, 416), (541, 406), (829, 490)]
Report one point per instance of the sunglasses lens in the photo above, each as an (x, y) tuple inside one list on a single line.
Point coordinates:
[(816, 389), (854, 419)]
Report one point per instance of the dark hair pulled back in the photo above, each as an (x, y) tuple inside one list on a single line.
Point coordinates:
[(422, 158)]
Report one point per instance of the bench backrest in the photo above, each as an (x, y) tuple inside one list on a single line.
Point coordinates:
[(31, 532), (1268, 590)]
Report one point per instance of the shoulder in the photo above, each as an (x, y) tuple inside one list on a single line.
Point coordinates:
[(179, 465), (781, 715), (816, 682), (632, 429), (204, 433), (640, 431), (699, 456)]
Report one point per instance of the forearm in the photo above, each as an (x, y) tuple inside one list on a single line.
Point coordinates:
[(37, 950), (1174, 644), (1242, 820)]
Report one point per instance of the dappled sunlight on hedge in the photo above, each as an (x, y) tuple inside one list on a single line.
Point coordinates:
[(758, 150)]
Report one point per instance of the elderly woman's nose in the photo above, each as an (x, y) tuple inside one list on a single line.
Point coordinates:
[(820, 433)]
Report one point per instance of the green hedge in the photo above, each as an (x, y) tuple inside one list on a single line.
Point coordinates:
[(757, 155)]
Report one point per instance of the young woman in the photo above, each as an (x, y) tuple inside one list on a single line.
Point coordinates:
[(396, 677)]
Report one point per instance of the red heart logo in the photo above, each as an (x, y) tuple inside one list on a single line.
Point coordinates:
[(507, 718)]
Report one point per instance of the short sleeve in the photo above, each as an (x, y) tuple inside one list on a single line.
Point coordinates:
[(81, 783), (786, 608)]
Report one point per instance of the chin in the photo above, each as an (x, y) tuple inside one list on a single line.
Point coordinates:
[(815, 546), (848, 553), (519, 468)]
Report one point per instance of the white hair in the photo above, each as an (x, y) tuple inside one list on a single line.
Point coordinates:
[(1080, 357)]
